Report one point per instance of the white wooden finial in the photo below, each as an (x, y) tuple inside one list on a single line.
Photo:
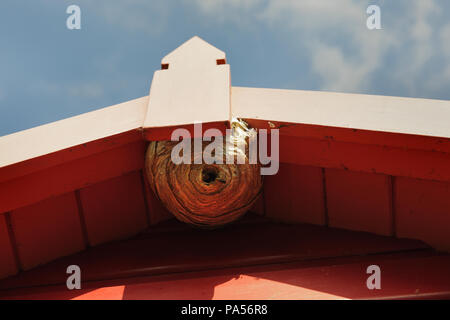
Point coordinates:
[(192, 86)]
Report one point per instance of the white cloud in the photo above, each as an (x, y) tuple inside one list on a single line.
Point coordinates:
[(342, 51), (445, 39), (419, 44), (341, 66), (215, 6), (442, 78)]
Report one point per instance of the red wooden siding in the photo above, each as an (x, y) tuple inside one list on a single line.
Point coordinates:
[(327, 177), (359, 201), (295, 194), (114, 209), (47, 230), (305, 262), (402, 279), (394, 161), (48, 220), (423, 211), (174, 247), (358, 136), (70, 176), (110, 210), (8, 265)]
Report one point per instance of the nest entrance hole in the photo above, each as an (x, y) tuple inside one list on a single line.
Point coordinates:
[(209, 174)]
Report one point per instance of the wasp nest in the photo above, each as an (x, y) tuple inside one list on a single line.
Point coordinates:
[(206, 195)]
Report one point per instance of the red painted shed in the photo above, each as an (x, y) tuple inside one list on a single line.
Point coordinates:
[(363, 180)]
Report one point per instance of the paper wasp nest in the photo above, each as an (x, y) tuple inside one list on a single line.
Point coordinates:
[(206, 195)]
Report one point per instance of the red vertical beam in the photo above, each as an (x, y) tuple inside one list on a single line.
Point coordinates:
[(47, 230), (359, 201), (295, 194), (8, 263), (423, 211), (114, 209)]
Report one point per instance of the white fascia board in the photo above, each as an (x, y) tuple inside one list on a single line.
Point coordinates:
[(356, 111)]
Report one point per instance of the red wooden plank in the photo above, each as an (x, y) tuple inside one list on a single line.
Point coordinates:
[(47, 230), (368, 137), (365, 158), (295, 194), (403, 276), (359, 201), (70, 176), (423, 211), (114, 209), (8, 265), (186, 249)]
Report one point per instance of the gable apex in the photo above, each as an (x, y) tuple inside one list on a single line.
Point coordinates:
[(195, 51)]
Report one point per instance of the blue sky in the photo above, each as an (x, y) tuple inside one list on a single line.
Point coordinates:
[(48, 72)]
